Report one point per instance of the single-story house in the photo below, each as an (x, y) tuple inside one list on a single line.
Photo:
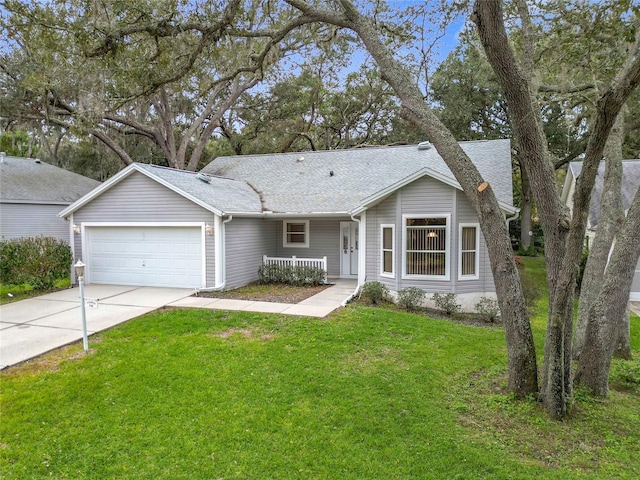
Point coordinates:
[(31, 195), (390, 214), (630, 185)]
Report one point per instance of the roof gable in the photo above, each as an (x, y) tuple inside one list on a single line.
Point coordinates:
[(347, 181), (26, 180), (218, 195)]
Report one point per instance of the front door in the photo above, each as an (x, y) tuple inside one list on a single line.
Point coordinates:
[(349, 249)]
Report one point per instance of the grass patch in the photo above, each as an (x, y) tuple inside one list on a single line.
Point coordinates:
[(13, 293), (365, 393)]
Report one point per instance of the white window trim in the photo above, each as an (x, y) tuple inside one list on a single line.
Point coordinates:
[(286, 244), (393, 250), (476, 276), (447, 258)]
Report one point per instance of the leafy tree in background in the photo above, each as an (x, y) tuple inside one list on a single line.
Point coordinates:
[(17, 143)]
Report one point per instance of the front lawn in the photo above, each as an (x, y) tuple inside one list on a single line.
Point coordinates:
[(364, 394), (13, 293)]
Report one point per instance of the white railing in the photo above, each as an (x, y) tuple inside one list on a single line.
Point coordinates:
[(295, 261)]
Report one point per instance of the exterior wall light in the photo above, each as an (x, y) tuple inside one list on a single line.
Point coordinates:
[(76, 229), (208, 230)]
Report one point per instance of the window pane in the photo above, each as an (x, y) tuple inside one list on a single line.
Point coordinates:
[(419, 263), (468, 238), (425, 222), (468, 263), (295, 237), (388, 262), (387, 238), (295, 227)]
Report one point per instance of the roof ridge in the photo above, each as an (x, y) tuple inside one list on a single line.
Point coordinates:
[(352, 149)]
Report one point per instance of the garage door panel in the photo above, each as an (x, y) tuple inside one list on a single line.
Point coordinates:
[(145, 256)]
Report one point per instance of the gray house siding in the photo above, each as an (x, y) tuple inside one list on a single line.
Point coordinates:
[(138, 199), (246, 241), (32, 220), (485, 281), (386, 212), (425, 196), (324, 240)]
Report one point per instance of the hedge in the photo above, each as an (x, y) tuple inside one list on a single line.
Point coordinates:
[(38, 261)]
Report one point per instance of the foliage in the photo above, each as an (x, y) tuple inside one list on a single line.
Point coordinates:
[(291, 274), (488, 309), (17, 143), (446, 302), (411, 298), (375, 292), (37, 261)]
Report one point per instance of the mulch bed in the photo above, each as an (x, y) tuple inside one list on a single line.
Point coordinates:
[(268, 293)]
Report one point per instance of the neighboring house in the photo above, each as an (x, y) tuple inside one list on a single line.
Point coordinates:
[(31, 195), (390, 214), (630, 185)]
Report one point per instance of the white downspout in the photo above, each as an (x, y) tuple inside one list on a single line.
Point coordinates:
[(221, 260), (362, 255)]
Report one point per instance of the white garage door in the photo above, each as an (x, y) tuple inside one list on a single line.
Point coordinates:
[(145, 256)]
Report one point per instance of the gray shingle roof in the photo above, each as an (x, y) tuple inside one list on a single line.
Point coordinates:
[(224, 194), (630, 185), (33, 181), (303, 183)]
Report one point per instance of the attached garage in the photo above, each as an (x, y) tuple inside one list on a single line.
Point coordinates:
[(143, 255)]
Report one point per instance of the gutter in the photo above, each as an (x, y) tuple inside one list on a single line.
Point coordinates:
[(221, 249)]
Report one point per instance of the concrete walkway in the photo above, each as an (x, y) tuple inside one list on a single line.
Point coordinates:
[(635, 307), (31, 327)]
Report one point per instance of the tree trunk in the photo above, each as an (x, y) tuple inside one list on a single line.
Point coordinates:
[(525, 212), (527, 128), (563, 238), (606, 312), (622, 347), (610, 218), (520, 348)]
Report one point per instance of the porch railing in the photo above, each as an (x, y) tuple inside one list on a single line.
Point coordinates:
[(295, 261)]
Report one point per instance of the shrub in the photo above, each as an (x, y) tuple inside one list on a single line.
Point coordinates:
[(297, 275), (488, 309), (411, 298), (446, 302), (375, 292), (37, 261)]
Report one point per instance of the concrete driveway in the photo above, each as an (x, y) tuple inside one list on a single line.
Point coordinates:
[(34, 326)]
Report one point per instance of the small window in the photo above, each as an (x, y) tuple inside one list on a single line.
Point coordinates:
[(469, 259), (426, 246), (296, 233), (387, 250)]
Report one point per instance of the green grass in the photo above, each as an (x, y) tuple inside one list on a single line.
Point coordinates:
[(13, 293), (366, 393)]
